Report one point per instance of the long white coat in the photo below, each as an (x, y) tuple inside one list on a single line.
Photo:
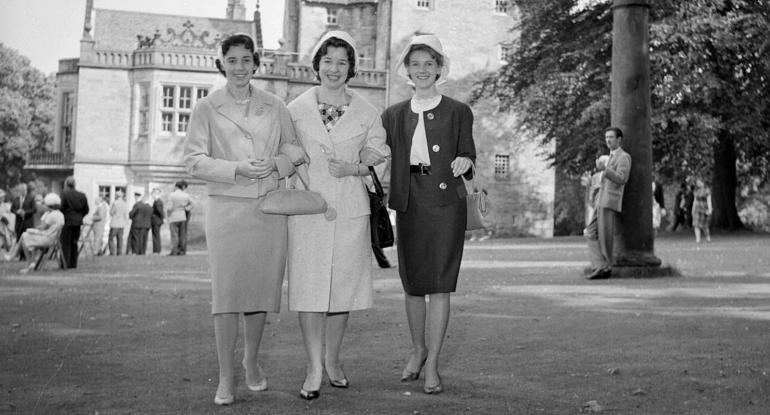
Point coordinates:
[(330, 262)]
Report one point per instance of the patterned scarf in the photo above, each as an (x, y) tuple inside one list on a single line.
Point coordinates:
[(331, 114)]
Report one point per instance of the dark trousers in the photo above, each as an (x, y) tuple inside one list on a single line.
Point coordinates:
[(137, 240), (70, 234), (156, 238), (178, 237), (115, 238)]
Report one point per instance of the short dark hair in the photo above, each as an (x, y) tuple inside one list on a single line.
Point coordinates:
[(425, 48), (335, 42), (237, 39), (618, 132)]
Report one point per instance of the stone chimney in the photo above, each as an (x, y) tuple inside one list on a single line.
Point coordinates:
[(236, 10)]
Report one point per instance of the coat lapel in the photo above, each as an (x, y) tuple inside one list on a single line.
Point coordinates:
[(350, 124), (311, 118)]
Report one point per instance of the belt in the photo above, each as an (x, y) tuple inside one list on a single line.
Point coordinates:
[(423, 169)]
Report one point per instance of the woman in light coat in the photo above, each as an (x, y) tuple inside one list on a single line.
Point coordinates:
[(240, 142), (330, 257)]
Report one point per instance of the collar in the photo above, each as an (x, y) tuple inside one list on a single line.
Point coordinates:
[(221, 97)]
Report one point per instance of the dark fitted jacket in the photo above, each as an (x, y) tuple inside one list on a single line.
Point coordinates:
[(449, 132), (158, 213), (74, 206), (26, 220), (141, 215)]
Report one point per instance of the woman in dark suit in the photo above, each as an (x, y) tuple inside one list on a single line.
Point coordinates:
[(431, 140)]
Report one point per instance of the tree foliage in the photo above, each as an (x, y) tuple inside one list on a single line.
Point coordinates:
[(27, 108), (710, 94)]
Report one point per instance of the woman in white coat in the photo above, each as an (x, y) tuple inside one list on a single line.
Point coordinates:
[(330, 257)]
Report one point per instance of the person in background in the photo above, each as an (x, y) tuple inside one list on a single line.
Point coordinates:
[(7, 223), (689, 199), (431, 137), (74, 206), (658, 207), (187, 214), (701, 210), (179, 203), (600, 232), (141, 219), (679, 208), (98, 223), (35, 239), (118, 222), (24, 206), (158, 215)]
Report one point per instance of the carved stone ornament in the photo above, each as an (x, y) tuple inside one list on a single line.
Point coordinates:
[(185, 39)]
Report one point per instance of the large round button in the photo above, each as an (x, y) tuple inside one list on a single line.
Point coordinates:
[(436, 148), (442, 186), (430, 116)]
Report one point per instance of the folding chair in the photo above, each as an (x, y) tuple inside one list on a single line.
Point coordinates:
[(52, 252)]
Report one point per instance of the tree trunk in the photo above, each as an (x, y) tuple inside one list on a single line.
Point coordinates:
[(724, 184)]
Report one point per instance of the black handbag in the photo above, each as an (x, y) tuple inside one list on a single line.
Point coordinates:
[(382, 230)]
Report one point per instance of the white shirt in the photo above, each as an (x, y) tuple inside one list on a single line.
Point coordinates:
[(419, 152)]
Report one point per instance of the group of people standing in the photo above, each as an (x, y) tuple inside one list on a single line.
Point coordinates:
[(145, 218), (24, 213), (60, 220), (243, 141)]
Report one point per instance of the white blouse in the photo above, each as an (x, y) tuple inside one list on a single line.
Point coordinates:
[(419, 152)]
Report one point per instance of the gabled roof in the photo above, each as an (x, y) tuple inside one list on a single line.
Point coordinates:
[(341, 2), (118, 29)]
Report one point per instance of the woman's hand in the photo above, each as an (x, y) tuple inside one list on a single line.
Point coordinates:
[(341, 168), (254, 169), (460, 165), (370, 157)]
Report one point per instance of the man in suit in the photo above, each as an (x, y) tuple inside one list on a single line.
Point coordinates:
[(118, 221), (74, 206), (24, 207), (158, 214), (180, 204), (601, 230), (141, 219)]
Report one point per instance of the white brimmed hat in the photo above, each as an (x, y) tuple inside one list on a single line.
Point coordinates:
[(432, 42), (52, 199), (343, 36)]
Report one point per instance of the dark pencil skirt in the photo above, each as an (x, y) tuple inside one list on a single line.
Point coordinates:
[(430, 242)]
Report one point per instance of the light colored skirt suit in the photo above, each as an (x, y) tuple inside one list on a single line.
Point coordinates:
[(247, 249)]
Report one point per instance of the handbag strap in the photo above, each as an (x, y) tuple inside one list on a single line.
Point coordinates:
[(376, 181)]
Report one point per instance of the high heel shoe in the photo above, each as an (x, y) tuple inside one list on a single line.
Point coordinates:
[(256, 387), (309, 395), (408, 376), (224, 400), (432, 390), (343, 383)]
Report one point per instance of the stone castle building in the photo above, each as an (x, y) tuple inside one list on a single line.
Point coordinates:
[(125, 102)]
